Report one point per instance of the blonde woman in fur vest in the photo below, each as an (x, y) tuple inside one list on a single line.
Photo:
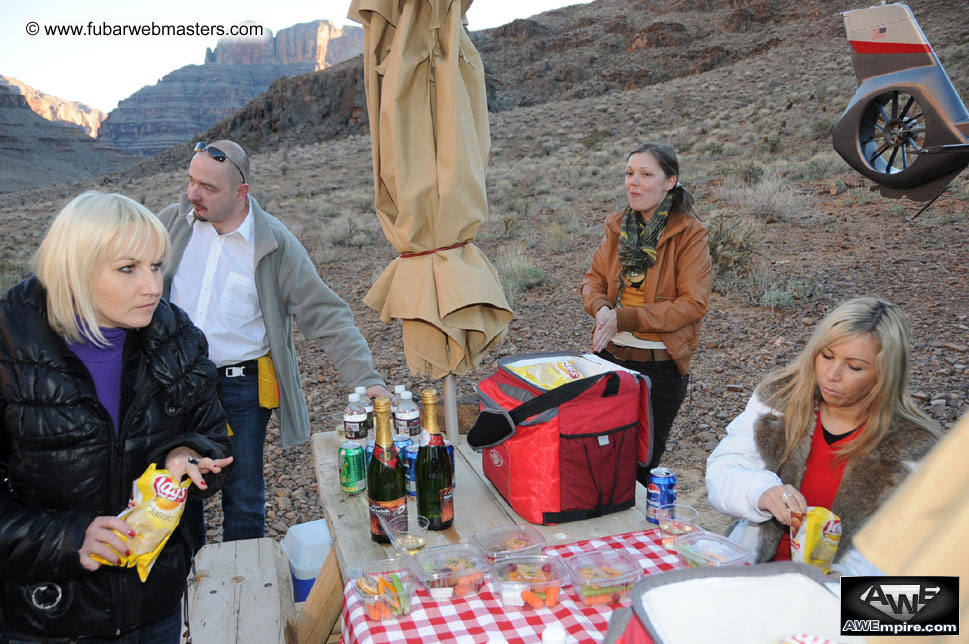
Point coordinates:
[(836, 428)]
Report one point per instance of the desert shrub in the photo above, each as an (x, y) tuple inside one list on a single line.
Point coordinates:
[(734, 243), (824, 127), (772, 199), (747, 171), (714, 148), (763, 287), (942, 219), (595, 139), (820, 166), (859, 196), (773, 143), (350, 230), (12, 272), (557, 236), (517, 271)]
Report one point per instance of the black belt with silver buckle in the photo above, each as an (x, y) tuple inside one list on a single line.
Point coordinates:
[(247, 368)]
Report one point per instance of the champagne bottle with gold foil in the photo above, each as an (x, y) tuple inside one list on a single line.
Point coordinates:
[(386, 493), (435, 479)]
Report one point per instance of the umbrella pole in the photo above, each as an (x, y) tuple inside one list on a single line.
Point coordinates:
[(451, 409)]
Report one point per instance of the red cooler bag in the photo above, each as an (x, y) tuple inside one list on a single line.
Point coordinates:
[(567, 453)]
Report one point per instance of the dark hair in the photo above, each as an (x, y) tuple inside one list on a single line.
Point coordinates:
[(666, 158)]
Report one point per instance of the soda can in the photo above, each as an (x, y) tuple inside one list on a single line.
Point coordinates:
[(369, 453), (410, 469), (450, 453), (660, 489), (353, 476), (401, 441)]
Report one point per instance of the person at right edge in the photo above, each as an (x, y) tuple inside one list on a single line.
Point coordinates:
[(835, 428), (649, 284)]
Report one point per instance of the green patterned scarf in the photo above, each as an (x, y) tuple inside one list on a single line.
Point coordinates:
[(637, 242)]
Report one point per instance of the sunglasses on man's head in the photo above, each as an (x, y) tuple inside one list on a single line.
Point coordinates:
[(218, 155)]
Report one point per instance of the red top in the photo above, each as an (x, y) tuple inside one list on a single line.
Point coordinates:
[(822, 476)]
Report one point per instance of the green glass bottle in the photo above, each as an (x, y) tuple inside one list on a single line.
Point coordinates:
[(386, 493), (435, 480)]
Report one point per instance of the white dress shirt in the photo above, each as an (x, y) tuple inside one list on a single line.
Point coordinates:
[(216, 285)]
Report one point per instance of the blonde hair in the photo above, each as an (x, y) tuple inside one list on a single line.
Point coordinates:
[(794, 392), (92, 230)]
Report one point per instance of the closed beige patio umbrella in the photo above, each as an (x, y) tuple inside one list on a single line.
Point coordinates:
[(429, 129)]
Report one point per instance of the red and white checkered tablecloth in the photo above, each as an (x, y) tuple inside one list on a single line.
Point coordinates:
[(477, 619)]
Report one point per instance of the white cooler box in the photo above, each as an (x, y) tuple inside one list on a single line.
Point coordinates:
[(306, 546)]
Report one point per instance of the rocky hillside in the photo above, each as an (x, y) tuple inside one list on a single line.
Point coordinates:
[(57, 110), (192, 98), (580, 51), (35, 152), (753, 137)]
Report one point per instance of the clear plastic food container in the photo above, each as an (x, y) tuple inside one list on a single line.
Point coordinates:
[(452, 571), (509, 541), (386, 588), (699, 549), (530, 580), (603, 577)]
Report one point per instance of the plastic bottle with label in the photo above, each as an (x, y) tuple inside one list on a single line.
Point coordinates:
[(398, 390), (367, 405), (408, 418), (354, 419)]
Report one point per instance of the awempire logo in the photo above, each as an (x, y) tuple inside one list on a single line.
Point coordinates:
[(900, 605)]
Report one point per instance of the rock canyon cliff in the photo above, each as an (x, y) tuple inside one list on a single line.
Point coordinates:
[(192, 98)]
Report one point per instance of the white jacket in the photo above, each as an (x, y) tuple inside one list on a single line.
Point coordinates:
[(736, 473), (736, 478)]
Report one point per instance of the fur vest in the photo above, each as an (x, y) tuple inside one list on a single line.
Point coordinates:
[(866, 484)]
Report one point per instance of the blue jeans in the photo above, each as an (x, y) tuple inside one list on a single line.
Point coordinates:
[(244, 491), (166, 630)]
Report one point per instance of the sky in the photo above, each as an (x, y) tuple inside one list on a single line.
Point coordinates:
[(102, 70)]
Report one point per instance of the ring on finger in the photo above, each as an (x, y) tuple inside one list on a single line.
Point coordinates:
[(193, 460), (785, 496)]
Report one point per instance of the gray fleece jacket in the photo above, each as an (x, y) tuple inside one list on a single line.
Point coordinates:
[(289, 289)]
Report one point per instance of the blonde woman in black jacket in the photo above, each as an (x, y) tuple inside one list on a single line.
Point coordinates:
[(99, 377)]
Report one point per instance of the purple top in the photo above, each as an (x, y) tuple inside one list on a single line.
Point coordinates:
[(105, 367)]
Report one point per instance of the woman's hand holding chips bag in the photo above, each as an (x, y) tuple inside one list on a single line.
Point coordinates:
[(156, 506), (815, 537)]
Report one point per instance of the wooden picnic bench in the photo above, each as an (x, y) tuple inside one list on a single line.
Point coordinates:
[(241, 592)]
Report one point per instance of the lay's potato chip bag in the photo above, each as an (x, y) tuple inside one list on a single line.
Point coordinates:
[(549, 375), (815, 537), (156, 506)]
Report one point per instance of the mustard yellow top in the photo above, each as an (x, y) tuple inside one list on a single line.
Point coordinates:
[(632, 297)]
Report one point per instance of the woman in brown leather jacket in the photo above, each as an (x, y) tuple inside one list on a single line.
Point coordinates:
[(649, 284)]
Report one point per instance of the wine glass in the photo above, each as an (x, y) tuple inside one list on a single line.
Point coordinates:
[(408, 532)]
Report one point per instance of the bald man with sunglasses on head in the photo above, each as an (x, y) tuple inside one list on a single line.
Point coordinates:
[(244, 278)]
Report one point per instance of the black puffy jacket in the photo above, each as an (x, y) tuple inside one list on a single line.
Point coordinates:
[(66, 466)]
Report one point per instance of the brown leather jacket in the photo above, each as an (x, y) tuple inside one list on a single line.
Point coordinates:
[(677, 287)]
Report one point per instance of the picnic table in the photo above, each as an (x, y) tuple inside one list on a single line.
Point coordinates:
[(477, 506), (481, 617)]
